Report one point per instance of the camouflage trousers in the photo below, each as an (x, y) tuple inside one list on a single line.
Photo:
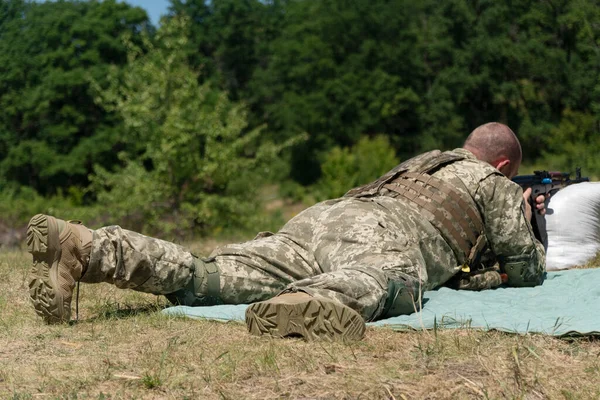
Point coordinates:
[(370, 254)]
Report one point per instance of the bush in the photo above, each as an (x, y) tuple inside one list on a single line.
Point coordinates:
[(195, 165), (19, 203), (574, 143), (345, 168)]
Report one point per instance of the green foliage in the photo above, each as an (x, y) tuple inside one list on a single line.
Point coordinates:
[(334, 71), (575, 143), (167, 111), (51, 131), (229, 38), (151, 381), (19, 203), (345, 168), (425, 73), (199, 166)]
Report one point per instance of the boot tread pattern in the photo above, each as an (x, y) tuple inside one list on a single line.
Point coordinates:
[(313, 319), (37, 234), (41, 288)]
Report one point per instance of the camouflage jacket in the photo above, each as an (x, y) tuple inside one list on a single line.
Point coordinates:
[(511, 244)]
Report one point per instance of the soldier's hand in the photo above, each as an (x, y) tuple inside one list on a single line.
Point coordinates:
[(540, 204)]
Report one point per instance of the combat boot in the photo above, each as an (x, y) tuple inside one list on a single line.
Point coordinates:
[(61, 252), (301, 315)]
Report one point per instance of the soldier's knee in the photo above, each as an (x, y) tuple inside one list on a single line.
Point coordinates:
[(204, 289), (403, 297)]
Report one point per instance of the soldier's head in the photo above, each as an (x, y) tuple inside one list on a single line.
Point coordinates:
[(496, 144)]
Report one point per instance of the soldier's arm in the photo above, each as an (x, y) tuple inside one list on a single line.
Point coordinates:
[(509, 233)]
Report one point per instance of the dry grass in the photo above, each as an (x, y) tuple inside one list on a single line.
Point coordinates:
[(593, 263), (122, 348)]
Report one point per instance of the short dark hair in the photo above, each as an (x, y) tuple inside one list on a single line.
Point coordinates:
[(491, 141)]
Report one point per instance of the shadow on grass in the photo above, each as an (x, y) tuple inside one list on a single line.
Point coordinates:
[(122, 311)]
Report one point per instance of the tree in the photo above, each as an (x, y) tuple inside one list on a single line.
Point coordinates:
[(425, 73), (523, 62), (228, 38), (200, 166), (338, 70), (575, 142), (51, 131)]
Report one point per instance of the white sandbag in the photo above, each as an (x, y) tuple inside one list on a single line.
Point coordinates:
[(573, 225)]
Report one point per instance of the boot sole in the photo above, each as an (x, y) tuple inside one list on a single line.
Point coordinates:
[(42, 243), (311, 319)]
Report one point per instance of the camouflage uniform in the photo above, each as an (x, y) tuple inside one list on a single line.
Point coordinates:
[(371, 250)]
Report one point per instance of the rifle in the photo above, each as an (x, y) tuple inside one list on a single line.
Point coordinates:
[(544, 182)]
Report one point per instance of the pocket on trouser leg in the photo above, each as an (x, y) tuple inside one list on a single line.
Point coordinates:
[(523, 270)]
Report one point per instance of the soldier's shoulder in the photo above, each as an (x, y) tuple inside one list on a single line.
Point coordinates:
[(471, 165)]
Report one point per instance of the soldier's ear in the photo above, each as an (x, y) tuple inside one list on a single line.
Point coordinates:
[(503, 165)]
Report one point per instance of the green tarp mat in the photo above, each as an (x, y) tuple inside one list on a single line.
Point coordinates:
[(566, 303)]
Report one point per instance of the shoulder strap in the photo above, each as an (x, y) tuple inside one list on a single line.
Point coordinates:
[(425, 162), (447, 209)]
